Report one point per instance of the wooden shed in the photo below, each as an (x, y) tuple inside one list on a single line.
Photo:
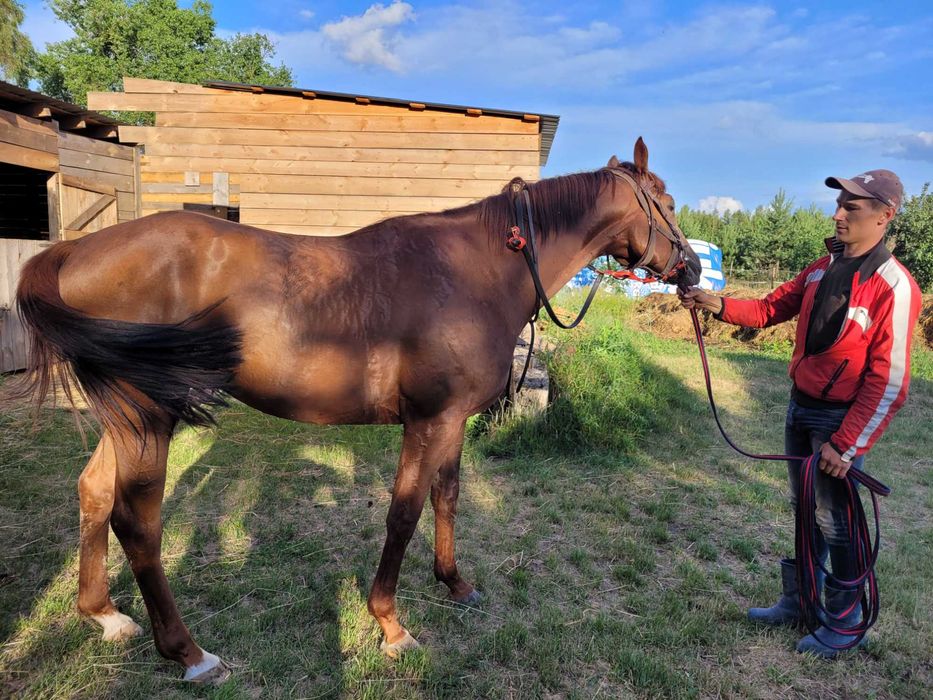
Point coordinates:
[(62, 175), (321, 163), (285, 159)]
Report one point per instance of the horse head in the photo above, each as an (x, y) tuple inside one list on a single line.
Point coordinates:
[(651, 238)]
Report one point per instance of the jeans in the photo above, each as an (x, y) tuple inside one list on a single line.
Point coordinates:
[(805, 430)]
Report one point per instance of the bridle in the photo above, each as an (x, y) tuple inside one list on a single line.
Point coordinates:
[(678, 258), (528, 247)]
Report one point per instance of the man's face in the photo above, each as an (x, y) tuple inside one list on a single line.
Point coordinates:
[(860, 220)]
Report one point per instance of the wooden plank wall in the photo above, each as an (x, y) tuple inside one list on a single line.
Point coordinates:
[(313, 165), (30, 143), (98, 163), (13, 255)]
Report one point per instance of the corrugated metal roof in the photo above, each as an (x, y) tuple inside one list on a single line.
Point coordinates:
[(548, 122), (16, 99)]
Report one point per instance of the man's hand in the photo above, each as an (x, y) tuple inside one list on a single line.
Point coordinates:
[(697, 298), (831, 462)]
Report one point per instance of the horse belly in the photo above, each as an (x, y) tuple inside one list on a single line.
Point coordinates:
[(324, 384)]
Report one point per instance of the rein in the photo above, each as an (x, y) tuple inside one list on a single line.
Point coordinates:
[(805, 530)]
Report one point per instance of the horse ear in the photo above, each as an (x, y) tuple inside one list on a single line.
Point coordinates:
[(613, 162), (641, 156)]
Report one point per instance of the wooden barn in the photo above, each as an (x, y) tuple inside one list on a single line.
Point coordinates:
[(320, 163), (62, 175)]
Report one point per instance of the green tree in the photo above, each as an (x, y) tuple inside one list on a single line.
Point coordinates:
[(912, 233), (16, 52), (776, 235), (148, 39)]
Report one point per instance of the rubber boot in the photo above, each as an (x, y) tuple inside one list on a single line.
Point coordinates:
[(838, 601), (787, 610), (824, 641)]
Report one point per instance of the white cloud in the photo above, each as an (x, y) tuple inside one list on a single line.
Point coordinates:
[(918, 146), (720, 205), (363, 40), (306, 14)]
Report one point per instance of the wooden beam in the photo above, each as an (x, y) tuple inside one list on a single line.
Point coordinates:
[(357, 203), (83, 184), (84, 218), (36, 110), (408, 122), (374, 186), (28, 157), (144, 85), (327, 156), (332, 139), (93, 161), (16, 135), (179, 165), (319, 217), (53, 191), (78, 142), (23, 122), (103, 132), (72, 123)]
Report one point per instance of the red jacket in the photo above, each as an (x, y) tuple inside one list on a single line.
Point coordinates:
[(869, 363)]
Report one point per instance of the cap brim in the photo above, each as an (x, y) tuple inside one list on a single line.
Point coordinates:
[(840, 183)]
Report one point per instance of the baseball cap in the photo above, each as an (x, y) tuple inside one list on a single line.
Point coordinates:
[(882, 185)]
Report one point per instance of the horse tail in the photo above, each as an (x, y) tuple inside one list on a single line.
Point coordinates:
[(123, 370)]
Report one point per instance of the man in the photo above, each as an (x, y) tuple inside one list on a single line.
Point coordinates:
[(850, 371)]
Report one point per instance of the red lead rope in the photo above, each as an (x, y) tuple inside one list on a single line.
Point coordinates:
[(808, 562)]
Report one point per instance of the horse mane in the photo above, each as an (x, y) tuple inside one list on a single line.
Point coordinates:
[(558, 202)]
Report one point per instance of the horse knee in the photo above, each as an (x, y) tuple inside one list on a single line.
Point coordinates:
[(401, 523)]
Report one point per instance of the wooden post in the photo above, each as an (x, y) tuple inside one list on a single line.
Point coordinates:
[(52, 187)]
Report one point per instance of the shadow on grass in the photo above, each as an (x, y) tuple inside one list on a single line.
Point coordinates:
[(274, 530)]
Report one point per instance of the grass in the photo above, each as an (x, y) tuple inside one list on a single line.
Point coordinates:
[(617, 543)]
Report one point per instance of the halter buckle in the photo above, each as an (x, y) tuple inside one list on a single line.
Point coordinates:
[(516, 241)]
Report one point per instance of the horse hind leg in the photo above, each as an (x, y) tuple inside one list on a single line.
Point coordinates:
[(137, 522), (95, 491)]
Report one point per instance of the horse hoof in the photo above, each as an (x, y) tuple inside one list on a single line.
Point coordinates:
[(472, 599), (396, 649), (117, 626), (210, 671)]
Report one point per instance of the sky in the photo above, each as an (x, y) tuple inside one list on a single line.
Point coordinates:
[(735, 100)]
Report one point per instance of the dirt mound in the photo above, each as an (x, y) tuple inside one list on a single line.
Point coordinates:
[(662, 315)]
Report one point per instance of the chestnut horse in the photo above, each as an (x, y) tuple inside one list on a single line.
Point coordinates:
[(412, 320)]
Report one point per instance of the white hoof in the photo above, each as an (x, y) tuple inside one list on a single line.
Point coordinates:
[(117, 626), (210, 670), (396, 649)]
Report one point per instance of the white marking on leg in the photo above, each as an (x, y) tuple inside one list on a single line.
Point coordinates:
[(210, 669), (117, 626)]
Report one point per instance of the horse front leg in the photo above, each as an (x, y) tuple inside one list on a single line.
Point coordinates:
[(444, 494), (427, 445)]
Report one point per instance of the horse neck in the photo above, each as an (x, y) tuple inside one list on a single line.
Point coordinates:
[(560, 257)]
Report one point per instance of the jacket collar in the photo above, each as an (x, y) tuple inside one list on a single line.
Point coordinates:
[(876, 257)]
